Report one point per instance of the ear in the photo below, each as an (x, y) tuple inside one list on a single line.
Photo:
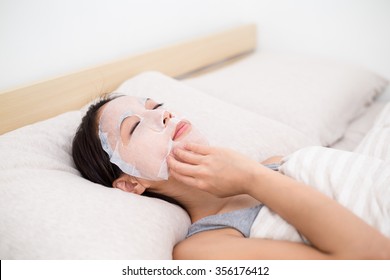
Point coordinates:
[(129, 184)]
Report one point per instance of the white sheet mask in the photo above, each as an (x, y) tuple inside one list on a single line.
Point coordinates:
[(143, 152)]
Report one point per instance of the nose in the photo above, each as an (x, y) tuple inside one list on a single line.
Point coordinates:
[(166, 117), (157, 119)]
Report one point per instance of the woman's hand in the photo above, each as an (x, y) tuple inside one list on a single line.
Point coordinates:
[(332, 229), (219, 171)]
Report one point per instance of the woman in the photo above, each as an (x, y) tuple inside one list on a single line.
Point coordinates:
[(129, 143)]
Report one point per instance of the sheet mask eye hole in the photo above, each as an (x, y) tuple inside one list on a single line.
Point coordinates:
[(157, 106), (134, 127)]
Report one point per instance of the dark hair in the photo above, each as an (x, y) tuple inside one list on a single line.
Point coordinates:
[(90, 158), (88, 155)]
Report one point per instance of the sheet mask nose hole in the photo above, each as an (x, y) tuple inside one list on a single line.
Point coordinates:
[(166, 116)]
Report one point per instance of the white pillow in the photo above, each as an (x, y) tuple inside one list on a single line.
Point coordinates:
[(359, 128), (222, 123), (49, 212), (316, 96), (377, 141)]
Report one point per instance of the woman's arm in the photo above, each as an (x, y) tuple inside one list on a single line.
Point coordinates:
[(331, 228), (274, 159), (229, 244)]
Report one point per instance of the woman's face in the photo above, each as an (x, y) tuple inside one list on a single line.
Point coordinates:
[(138, 134)]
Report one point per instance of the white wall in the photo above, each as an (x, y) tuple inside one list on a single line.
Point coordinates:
[(45, 38)]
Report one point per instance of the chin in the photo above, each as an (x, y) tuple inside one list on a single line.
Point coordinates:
[(194, 136)]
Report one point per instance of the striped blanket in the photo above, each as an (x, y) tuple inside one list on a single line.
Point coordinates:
[(359, 180)]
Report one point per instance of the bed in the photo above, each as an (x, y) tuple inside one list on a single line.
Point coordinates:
[(329, 118)]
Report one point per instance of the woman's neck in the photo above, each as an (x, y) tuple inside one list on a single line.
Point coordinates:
[(196, 202)]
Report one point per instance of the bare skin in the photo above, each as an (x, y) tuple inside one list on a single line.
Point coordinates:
[(209, 180), (334, 231)]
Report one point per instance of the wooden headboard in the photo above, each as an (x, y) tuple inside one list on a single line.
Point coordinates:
[(39, 101)]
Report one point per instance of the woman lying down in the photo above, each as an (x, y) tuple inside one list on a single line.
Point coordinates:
[(137, 146)]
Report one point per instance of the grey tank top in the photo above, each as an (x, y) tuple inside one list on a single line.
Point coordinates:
[(240, 220)]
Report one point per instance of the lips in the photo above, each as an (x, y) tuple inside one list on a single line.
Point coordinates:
[(180, 130)]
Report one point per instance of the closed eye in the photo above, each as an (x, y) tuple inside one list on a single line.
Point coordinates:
[(157, 106), (134, 127), (137, 123)]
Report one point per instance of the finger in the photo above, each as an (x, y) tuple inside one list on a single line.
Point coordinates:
[(187, 156), (180, 167), (198, 148), (189, 181)]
